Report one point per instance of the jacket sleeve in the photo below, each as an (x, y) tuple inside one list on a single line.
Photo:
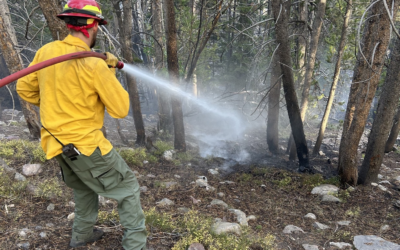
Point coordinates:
[(110, 91), (28, 86)]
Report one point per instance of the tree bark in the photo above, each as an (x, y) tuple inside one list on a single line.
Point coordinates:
[(164, 106), (281, 9), (335, 78), (173, 69), (302, 41), (126, 25), (315, 34), (394, 132), (273, 108), (50, 9), (8, 41), (387, 105), (365, 81)]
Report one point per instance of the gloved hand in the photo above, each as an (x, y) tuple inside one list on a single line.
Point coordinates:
[(111, 60)]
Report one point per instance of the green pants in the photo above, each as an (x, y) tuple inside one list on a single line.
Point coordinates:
[(109, 176)]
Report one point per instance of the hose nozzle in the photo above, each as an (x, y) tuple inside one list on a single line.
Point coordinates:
[(120, 65)]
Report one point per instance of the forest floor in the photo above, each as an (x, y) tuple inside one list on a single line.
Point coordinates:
[(265, 186)]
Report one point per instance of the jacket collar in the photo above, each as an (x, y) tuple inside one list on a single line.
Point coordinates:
[(76, 42)]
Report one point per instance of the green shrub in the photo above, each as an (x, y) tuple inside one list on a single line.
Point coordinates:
[(9, 187), (134, 156), (160, 221), (108, 218), (22, 150), (162, 147), (49, 188)]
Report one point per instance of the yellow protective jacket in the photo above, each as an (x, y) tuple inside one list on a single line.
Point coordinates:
[(72, 97)]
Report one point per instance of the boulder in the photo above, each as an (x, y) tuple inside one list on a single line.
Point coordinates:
[(225, 227), (165, 202), (372, 242), (240, 216), (19, 177), (310, 216), (320, 226), (289, 229), (217, 202), (310, 247), (341, 245), (325, 189), (330, 198)]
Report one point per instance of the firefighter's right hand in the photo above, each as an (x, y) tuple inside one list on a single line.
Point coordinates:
[(111, 60)]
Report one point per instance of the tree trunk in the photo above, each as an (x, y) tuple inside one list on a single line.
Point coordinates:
[(394, 132), (8, 41), (335, 78), (365, 81), (302, 41), (125, 40), (316, 31), (273, 108), (283, 53), (387, 105), (164, 107), (173, 69), (50, 9)]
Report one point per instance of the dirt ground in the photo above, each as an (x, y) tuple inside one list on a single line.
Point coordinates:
[(266, 186)]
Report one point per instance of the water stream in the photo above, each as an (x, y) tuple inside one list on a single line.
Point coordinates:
[(218, 124)]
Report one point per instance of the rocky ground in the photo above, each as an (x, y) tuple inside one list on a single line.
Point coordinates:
[(263, 203)]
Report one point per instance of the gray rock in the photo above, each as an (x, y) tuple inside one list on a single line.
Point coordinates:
[(382, 188), (341, 245), (49, 225), (217, 202), (177, 176), (38, 228), (26, 131), (237, 200), (374, 184), (50, 207), (320, 226), (372, 242), (289, 229), (151, 176), (240, 216), (310, 216), (32, 189), (43, 235), (251, 217), (310, 247), (343, 223), (213, 172), (330, 198), (380, 176), (23, 234), (165, 202), (220, 194), (398, 178), (385, 182), (136, 172), (143, 189), (24, 245), (2, 124), (201, 183), (225, 227), (102, 200), (196, 246), (13, 112), (170, 184), (396, 203), (321, 153), (167, 155), (145, 162), (7, 169), (71, 216), (325, 189), (19, 177), (71, 204), (385, 228), (183, 210)]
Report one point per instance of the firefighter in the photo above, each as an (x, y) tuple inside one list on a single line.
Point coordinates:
[(72, 97)]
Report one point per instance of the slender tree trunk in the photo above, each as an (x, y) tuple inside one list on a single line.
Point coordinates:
[(50, 9), (394, 132), (316, 31), (164, 107), (281, 9), (8, 41), (387, 105), (335, 78), (365, 81), (302, 41), (126, 42), (273, 108), (173, 69)]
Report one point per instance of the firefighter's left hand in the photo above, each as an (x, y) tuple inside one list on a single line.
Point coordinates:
[(111, 60)]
